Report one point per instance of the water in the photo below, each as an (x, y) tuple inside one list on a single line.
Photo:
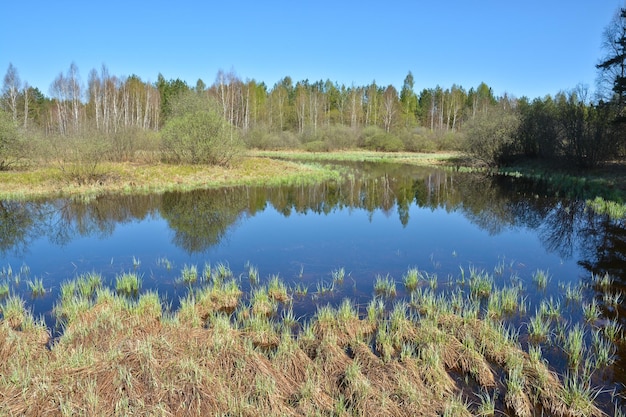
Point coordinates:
[(381, 220)]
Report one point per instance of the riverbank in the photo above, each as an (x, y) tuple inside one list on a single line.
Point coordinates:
[(268, 168)]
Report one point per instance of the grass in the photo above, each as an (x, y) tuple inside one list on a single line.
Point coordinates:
[(128, 283), (385, 285), (125, 178), (411, 279), (36, 287), (541, 278), (189, 274), (128, 356)]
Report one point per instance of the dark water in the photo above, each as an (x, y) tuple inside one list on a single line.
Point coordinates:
[(381, 220)]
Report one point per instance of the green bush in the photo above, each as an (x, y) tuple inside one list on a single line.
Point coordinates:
[(376, 139), (199, 137), (11, 149), (491, 135)]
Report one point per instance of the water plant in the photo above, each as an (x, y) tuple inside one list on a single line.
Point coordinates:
[(541, 278), (604, 282), (411, 279), (128, 283), (385, 285), (277, 290), (338, 275), (591, 311), (480, 282), (300, 290), (4, 290), (136, 262), (85, 285), (189, 274), (538, 327), (36, 287), (574, 345), (323, 288), (165, 263), (253, 274)]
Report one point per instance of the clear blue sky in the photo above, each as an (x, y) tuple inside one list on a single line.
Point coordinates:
[(530, 48)]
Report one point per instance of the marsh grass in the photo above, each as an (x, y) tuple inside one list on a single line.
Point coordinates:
[(128, 283), (435, 354), (4, 290), (338, 275), (411, 279), (541, 278), (37, 288), (385, 286), (189, 274), (480, 282)]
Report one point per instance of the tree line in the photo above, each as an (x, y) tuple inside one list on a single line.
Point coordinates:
[(125, 118)]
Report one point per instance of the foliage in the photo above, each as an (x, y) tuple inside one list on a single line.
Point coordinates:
[(79, 158), (376, 139), (11, 147), (199, 137), (491, 135)]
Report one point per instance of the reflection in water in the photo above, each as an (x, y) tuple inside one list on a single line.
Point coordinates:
[(200, 219)]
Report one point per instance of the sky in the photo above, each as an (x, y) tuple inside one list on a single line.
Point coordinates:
[(526, 48)]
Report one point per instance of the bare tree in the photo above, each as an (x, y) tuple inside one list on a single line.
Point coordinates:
[(10, 90)]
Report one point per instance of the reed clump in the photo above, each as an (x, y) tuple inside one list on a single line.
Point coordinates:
[(224, 353)]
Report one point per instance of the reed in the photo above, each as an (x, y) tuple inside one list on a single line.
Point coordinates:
[(163, 262), (36, 287), (411, 279), (603, 282), (591, 311), (385, 285), (86, 285), (480, 282), (538, 327), (574, 345), (541, 278), (4, 290), (338, 275), (277, 290), (128, 283), (253, 273), (189, 274)]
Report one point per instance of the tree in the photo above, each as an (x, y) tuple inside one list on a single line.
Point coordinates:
[(408, 99), (613, 66), (10, 91)]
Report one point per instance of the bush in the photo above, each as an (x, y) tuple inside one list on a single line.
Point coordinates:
[(79, 157), (11, 149), (490, 135), (376, 139), (261, 138), (200, 137)]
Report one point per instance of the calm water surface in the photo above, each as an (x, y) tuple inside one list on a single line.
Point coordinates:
[(381, 220)]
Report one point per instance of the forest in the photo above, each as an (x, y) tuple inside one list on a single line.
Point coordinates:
[(124, 118)]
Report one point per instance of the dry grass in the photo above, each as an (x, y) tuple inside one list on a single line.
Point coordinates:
[(121, 356), (46, 181)]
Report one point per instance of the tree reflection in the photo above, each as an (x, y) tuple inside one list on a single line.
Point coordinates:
[(200, 219)]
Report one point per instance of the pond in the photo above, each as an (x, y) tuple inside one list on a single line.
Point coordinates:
[(374, 226)]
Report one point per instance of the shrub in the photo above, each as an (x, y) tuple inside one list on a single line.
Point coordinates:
[(11, 149), (490, 135), (376, 139), (199, 137)]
